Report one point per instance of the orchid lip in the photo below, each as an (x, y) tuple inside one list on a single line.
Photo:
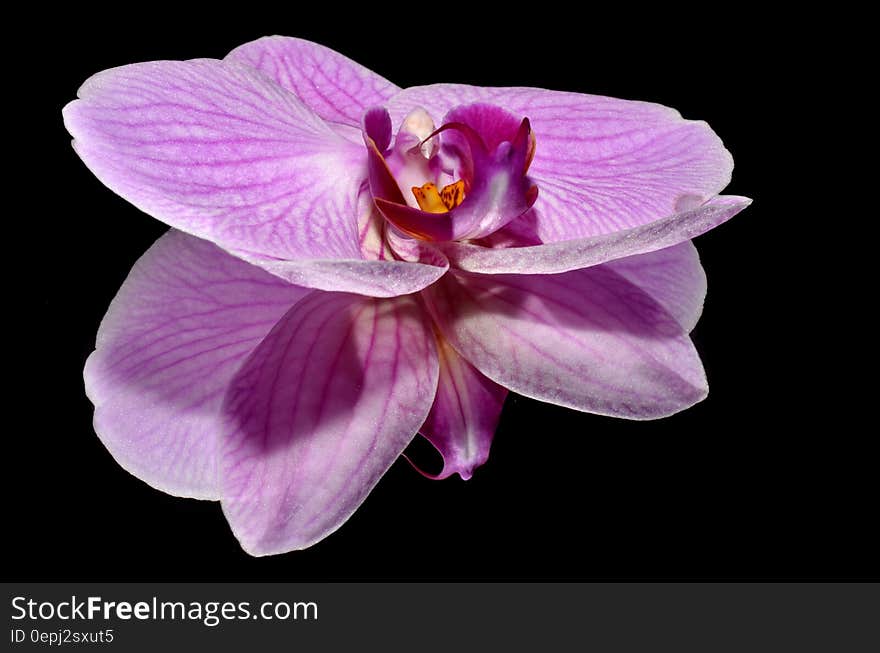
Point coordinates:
[(489, 189)]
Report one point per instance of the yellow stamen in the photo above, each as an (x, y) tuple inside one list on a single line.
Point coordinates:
[(429, 199), (445, 200), (453, 194)]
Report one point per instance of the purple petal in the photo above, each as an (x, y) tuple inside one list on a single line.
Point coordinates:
[(218, 150), (520, 232), (673, 277), (185, 319), (376, 125), (464, 416), (587, 339), (415, 222), (382, 182), (380, 275), (371, 228), (602, 164), (580, 253), (330, 84), (371, 278), (493, 124), (319, 412)]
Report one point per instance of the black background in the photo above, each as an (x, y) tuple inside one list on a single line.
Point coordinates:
[(764, 479)]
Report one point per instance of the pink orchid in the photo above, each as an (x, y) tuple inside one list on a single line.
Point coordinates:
[(352, 263)]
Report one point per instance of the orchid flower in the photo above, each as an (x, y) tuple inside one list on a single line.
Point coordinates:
[(351, 264)]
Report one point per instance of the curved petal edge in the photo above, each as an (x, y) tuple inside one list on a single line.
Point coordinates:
[(319, 412), (588, 340), (564, 256), (184, 320)]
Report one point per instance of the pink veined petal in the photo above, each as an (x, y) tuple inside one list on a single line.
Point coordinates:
[(602, 164), (185, 319), (371, 227), (220, 151), (319, 412), (464, 416), (330, 84), (579, 253), (673, 277), (387, 278), (381, 274), (587, 339)]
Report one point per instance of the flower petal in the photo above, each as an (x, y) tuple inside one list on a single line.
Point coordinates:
[(464, 416), (218, 150), (587, 339), (602, 164), (330, 84), (371, 278), (493, 124), (185, 319), (371, 228), (380, 275), (318, 414), (673, 277), (568, 255)]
